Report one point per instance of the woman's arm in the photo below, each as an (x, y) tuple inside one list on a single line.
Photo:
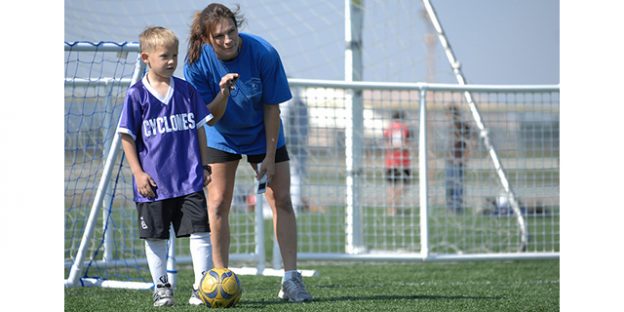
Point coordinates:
[(218, 105), (271, 128)]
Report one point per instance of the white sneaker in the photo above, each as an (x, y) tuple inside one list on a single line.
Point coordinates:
[(293, 290), (163, 295), (195, 300)]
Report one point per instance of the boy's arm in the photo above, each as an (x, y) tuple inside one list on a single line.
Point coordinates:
[(203, 151), (143, 180)]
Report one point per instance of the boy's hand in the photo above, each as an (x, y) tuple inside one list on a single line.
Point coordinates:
[(145, 185)]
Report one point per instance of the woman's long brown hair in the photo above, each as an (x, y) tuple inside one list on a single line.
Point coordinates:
[(203, 24)]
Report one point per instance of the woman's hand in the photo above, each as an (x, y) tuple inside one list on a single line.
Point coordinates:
[(267, 166), (228, 83)]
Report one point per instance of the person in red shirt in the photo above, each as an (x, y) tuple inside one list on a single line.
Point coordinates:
[(397, 161)]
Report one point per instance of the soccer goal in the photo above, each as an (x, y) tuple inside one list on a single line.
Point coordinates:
[(455, 202), (102, 247)]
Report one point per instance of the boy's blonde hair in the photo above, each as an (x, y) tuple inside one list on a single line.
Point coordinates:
[(156, 36)]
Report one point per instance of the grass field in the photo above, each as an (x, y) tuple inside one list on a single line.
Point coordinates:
[(531, 285)]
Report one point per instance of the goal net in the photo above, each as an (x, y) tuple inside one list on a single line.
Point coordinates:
[(101, 233), (450, 199), (481, 182), (96, 77), (351, 203)]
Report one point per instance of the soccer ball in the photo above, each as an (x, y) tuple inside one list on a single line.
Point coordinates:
[(220, 288)]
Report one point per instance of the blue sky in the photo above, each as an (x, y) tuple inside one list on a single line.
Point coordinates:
[(497, 42), (508, 41)]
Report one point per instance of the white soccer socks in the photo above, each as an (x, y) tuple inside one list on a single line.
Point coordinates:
[(156, 254), (201, 254)]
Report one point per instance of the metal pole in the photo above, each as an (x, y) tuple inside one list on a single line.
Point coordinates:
[(172, 271), (456, 66), (108, 237), (354, 129), (422, 176), (260, 248)]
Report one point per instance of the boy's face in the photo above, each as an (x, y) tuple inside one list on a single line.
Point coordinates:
[(162, 60)]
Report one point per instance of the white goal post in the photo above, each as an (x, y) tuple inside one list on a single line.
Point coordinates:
[(522, 122)]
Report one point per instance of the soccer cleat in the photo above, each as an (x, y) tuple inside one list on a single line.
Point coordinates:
[(163, 295), (293, 290), (195, 300)]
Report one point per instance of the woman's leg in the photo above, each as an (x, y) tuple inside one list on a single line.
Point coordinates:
[(284, 221), (285, 228), (220, 191)]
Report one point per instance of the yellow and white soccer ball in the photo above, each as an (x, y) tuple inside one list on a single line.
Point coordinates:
[(220, 288)]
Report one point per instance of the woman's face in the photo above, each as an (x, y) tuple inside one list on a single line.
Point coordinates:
[(225, 40)]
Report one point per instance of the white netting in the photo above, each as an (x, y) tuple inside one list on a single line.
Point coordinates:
[(96, 80)]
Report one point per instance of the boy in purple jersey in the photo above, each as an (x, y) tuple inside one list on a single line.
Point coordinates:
[(162, 135)]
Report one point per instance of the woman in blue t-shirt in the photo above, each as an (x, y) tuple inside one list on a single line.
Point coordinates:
[(241, 78)]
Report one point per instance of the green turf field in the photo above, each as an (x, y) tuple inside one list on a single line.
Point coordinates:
[(531, 285)]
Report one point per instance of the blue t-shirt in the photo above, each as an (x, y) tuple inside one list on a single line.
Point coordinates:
[(165, 134), (262, 81)]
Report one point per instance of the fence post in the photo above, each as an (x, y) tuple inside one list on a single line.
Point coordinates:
[(422, 175)]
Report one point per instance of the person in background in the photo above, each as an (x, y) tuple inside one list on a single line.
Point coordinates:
[(456, 160), (397, 162), (295, 117)]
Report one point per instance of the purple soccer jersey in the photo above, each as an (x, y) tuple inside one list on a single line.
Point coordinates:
[(165, 134)]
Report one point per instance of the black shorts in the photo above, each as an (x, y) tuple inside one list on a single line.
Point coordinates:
[(396, 175), (188, 214), (216, 156)]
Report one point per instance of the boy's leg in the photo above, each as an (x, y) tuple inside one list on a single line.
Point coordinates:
[(191, 219), (201, 255), (156, 254), (154, 220)]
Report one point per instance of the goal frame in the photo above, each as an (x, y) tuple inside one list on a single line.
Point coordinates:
[(77, 267), (353, 229)]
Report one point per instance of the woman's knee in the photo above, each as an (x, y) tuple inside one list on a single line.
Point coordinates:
[(219, 204), (282, 200)]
